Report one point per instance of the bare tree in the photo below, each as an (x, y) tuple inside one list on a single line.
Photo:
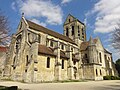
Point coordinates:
[(116, 38), (4, 30)]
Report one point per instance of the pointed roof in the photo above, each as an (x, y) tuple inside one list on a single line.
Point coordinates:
[(74, 18), (90, 40)]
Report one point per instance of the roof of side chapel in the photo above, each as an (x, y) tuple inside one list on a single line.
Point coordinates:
[(84, 45)]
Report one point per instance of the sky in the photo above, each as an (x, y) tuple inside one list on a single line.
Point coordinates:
[(100, 16)]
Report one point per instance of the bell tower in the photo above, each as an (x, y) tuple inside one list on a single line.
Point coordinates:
[(74, 29)]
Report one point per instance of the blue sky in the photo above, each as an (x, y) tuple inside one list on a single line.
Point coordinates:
[(100, 16)]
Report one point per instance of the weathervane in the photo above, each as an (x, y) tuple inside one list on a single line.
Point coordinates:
[(22, 14)]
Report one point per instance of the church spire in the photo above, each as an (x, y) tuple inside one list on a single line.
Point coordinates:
[(91, 41)]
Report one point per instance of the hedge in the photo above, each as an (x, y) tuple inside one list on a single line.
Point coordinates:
[(111, 78)]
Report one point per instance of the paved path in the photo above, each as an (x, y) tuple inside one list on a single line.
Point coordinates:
[(90, 85)]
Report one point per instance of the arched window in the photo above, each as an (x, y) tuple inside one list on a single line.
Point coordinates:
[(100, 57), (82, 31), (62, 64), (67, 32), (27, 60), (14, 63), (100, 72), (48, 62), (96, 72), (51, 44), (72, 30), (69, 20), (62, 47), (39, 38)]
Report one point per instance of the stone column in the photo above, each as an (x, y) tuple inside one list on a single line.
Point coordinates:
[(70, 66), (58, 63)]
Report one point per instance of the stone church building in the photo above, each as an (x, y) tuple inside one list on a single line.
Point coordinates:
[(38, 54)]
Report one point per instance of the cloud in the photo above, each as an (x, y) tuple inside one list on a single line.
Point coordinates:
[(107, 15), (65, 1), (115, 53), (13, 6), (51, 13), (38, 22)]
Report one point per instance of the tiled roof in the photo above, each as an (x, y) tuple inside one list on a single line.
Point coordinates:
[(3, 49), (45, 50), (84, 45), (49, 51), (42, 49), (40, 28)]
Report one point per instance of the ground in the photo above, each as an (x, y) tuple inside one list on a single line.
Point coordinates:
[(89, 85)]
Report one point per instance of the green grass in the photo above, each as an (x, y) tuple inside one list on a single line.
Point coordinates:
[(2, 87)]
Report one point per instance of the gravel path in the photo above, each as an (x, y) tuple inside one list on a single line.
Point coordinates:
[(90, 85)]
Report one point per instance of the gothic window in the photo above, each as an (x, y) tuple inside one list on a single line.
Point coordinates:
[(39, 38), (62, 47), (85, 55), (82, 31), (83, 37), (67, 32), (62, 64), (72, 30), (14, 63), (29, 38), (100, 57), (27, 60), (51, 44), (72, 49), (96, 72), (78, 31), (69, 20), (100, 72), (48, 62), (105, 57), (74, 62)]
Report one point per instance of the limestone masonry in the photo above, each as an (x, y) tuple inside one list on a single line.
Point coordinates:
[(37, 54)]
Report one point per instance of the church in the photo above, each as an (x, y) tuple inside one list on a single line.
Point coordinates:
[(38, 54)]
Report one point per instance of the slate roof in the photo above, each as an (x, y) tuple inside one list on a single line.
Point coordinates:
[(40, 28)]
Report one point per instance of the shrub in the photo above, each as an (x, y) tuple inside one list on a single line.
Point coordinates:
[(111, 78)]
